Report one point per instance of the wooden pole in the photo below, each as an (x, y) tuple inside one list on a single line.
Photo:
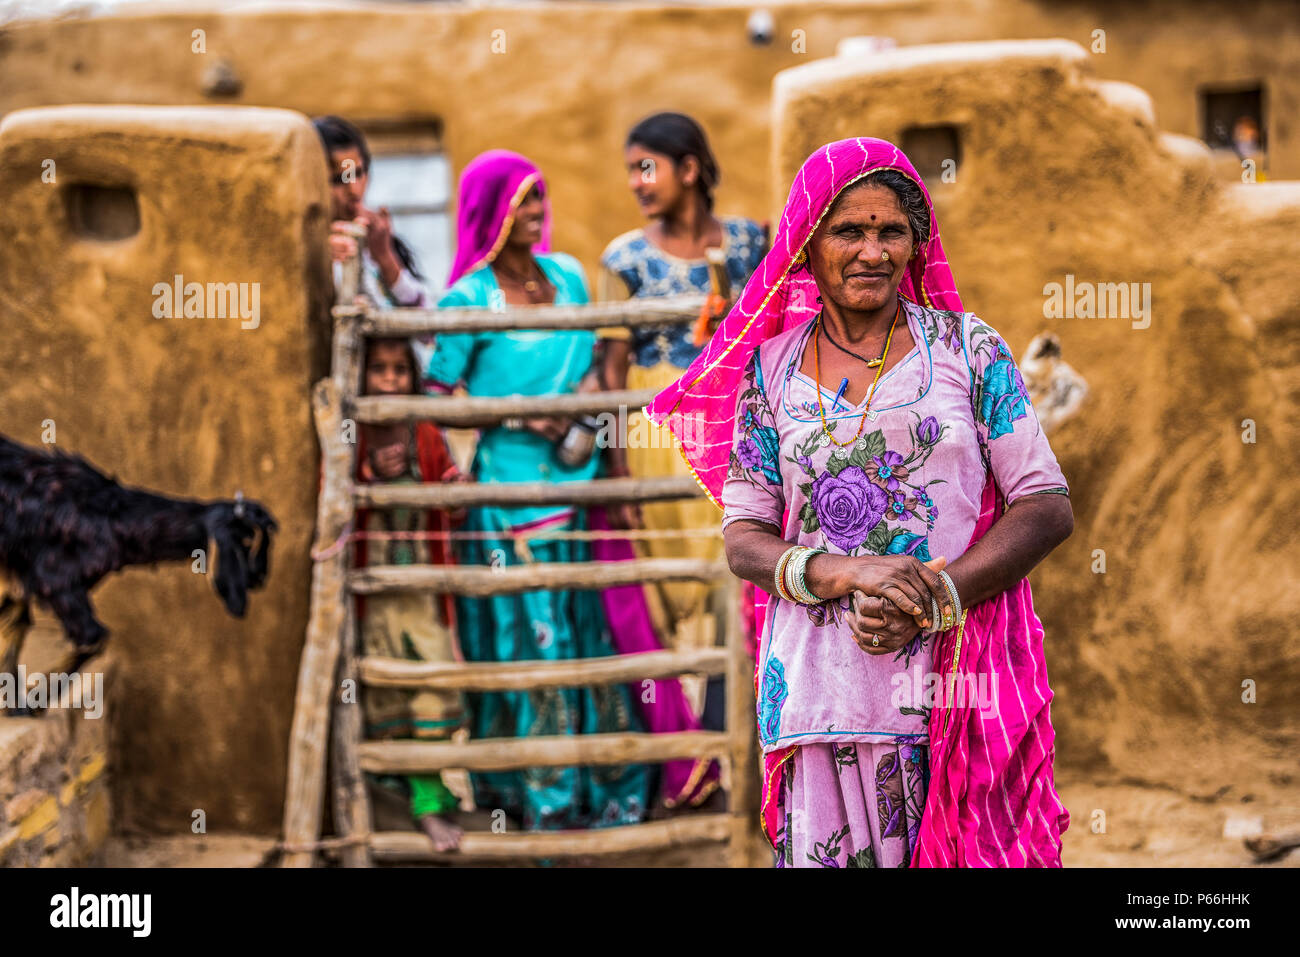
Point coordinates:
[(539, 751), (350, 284), (304, 793), (346, 370), (503, 494), (535, 675), (463, 412), (351, 801), (409, 846), (665, 311), (481, 582)]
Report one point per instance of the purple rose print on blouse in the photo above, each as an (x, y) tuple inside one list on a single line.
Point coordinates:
[(848, 506)]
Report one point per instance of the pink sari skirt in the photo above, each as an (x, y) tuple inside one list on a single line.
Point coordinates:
[(684, 781), (848, 804)]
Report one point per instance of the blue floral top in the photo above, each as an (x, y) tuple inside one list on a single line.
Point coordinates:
[(951, 411), (646, 270)]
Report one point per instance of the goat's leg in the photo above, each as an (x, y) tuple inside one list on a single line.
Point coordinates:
[(77, 658), (87, 634), (15, 620)]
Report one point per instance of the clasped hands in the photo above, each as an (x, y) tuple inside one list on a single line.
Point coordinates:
[(890, 600)]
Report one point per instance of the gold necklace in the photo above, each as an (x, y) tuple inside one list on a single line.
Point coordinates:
[(817, 373), (529, 285)]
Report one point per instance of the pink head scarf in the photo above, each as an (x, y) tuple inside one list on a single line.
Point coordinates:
[(992, 799), (492, 186), (699, 407)]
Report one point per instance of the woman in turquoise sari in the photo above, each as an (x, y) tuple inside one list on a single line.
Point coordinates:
[(502, 260)]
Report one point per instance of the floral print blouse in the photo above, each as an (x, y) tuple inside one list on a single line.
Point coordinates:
[(953, 409), (644, 269)]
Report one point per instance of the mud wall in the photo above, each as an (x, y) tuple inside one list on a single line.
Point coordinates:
[(202, 409), (563, 82), (1197, 596), (194, 407)]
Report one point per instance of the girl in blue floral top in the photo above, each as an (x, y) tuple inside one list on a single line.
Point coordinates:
[(673, 174)]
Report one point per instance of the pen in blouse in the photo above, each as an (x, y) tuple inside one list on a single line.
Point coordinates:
[(844, 387)]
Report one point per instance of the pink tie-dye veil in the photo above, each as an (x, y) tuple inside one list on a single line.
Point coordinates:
[(699, 408), (492, 185), (992, 798)]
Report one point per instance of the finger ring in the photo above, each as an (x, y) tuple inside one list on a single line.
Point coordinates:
[(875, 641)]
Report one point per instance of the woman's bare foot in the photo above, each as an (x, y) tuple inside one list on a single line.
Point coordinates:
[(443, 833)]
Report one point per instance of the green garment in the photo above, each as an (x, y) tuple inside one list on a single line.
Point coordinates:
[(430, 796)]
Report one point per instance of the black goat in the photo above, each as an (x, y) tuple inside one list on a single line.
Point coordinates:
[(64, 525)]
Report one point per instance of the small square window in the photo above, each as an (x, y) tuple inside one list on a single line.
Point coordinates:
[(104, 213), (1233, 119), (935, 151)]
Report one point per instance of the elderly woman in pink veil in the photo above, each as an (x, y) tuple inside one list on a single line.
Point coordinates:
[(883, 474)]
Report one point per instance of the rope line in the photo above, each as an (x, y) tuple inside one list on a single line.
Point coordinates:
[(517, 538), (320, 555)]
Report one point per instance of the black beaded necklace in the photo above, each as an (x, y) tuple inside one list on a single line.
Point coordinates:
[(871, 363)]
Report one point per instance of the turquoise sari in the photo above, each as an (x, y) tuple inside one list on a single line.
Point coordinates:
[(538, 625)]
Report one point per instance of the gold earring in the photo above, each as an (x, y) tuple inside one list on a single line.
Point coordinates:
[(800, 258)]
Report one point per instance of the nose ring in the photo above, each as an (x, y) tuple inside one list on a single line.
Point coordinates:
[(884, 256)]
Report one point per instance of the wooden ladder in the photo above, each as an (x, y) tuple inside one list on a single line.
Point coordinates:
[(330, 657)]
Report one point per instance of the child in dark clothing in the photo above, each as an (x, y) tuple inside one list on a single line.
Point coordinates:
[(413, 625)]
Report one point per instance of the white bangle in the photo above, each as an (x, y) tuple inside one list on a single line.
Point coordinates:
[(792, 575), (956, 602), (796, 581)]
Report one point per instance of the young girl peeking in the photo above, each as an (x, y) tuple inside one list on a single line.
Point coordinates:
[(416, 625)]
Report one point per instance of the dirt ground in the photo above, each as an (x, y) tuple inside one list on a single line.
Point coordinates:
[(1158, 827), (1144, 827)]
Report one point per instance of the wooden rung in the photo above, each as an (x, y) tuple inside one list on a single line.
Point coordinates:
[(595, 492), (465, 412), (542, 751), (393, 846), (480, 581), (666, 311), (377, 672)]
